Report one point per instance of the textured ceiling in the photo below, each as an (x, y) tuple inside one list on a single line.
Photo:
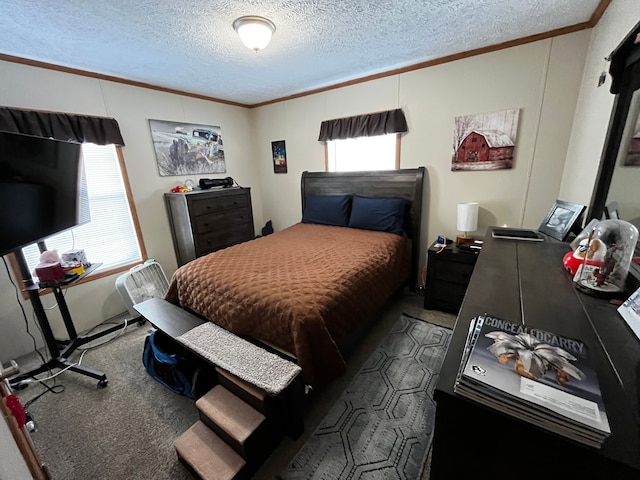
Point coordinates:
[(191, 45)]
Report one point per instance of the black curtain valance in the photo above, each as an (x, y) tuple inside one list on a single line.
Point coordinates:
[(369, 125), (61, 126)]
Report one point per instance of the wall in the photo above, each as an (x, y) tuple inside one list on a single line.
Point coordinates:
[(541, 79), (594, 106), (91, 303)]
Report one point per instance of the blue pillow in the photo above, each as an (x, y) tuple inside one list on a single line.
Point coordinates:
[(327, 209), (381, 214)]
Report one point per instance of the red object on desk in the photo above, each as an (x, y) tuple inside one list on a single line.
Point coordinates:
[(49, 272)]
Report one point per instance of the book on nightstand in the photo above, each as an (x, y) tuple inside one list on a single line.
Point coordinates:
[(533, 375)]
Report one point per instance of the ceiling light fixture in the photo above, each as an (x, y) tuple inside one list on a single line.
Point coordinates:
[(255, 32)]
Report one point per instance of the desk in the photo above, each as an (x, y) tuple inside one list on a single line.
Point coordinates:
[(58, 359), (525, 282)]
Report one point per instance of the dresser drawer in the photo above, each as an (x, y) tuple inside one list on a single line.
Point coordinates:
[(222, 220), (222, 238), (203, 206), (454, 272)]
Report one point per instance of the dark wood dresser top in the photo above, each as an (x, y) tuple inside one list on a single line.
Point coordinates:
[(525, 282)]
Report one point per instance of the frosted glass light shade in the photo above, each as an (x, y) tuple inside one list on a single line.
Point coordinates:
[(255, 32), (468, 217)]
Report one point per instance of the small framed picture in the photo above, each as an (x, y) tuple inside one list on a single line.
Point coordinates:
[(561, 219), (279, 152), (612, 211)]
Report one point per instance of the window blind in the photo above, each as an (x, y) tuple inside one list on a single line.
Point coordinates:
[(110, 237)]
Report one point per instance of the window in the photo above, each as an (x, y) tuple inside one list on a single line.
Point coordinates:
[(112, 237), (380, 152), (363, 142)]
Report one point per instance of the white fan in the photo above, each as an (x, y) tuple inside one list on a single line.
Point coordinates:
[(141, 283)]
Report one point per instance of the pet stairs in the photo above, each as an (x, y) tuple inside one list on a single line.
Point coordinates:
[(232, 438), (240, 423)]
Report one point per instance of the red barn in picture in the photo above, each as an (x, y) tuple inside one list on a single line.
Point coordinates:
[(485, 147), (484, 141)]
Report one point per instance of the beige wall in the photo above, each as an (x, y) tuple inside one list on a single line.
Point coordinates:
[(29, 87), (541, 79), (594, 105)]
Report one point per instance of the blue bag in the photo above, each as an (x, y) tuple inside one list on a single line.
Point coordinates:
[(172, 370)]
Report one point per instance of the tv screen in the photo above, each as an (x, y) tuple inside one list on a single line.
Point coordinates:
[(42, 189)]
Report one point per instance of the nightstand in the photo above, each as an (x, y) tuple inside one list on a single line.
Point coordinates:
[(448, 273)]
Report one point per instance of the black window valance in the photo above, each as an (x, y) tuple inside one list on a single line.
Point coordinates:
[(61, 126), (369, 125)]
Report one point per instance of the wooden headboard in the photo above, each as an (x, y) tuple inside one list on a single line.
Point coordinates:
[(405, 183)]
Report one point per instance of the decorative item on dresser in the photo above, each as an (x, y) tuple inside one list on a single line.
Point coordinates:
[(448, 273), (205, 221)]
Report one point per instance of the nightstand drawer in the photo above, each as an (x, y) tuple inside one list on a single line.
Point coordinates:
[(449, 271), (453, 272), (445, 294)]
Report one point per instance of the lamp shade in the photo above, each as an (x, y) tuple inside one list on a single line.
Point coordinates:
[(468, 217), (255, 32)]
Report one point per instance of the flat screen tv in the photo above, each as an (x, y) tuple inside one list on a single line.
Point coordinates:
[(42, 189)]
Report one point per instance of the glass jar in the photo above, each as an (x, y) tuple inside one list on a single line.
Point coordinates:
[(610, 248)]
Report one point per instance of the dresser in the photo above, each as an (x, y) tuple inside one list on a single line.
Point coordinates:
[(448, 273), (525, 282), (203, 221)]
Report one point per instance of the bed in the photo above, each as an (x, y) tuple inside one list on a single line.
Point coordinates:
[(306, 289)]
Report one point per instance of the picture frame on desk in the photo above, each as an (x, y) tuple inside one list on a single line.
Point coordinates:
[(561, 219)]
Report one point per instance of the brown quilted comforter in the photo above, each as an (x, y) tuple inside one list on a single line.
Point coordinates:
[(304, 289)]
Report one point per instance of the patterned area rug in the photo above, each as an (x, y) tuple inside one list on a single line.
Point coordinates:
[(381, 427)]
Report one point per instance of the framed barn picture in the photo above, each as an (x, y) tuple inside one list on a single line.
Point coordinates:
[(485, 141)]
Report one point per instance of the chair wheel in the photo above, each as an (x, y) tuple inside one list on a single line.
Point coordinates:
[(103, 383)]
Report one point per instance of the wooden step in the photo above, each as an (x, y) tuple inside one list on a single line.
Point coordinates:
[(207, 456), (257, 398), (241, 426)]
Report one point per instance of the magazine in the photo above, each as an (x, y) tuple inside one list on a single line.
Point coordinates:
[(535, 375), (630, 311)]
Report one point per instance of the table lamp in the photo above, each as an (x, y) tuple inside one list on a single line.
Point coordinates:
[(467, 222)]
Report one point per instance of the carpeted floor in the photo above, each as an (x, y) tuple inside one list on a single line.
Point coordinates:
[(126, 431)]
